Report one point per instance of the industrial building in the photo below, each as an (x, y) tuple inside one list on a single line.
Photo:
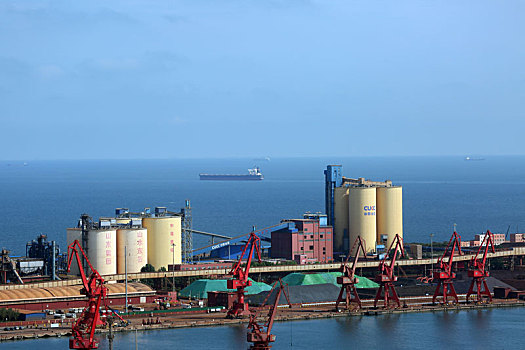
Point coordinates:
[(359, 207), (129, 241), (309, 241)]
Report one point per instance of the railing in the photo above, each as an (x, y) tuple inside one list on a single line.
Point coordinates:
[(517, 251)]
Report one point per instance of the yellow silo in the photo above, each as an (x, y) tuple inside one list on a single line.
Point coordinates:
[(134, 241), (340, 218), (389, 213), (163, 232), (362, 215)]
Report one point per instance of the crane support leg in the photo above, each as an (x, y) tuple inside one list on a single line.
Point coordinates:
[(351, 297), (390, 295), (481, 290), (448, 290)]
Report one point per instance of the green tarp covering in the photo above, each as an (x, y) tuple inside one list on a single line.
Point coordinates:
[(200, 288), (300, 279)]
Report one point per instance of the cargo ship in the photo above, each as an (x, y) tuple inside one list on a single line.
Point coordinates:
[(253, 174)]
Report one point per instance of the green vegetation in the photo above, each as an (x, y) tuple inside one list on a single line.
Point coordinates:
[(8, 315), (268, 263), (148, 281)]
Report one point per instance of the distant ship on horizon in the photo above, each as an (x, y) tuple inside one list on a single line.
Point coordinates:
[(474, 158), (265, 159), (253, 174)]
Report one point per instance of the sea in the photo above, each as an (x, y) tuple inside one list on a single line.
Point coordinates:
[(46, 197), (49, 196)]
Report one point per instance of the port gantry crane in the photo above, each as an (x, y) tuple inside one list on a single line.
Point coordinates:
[(444, 274), (261, 338), (83, 330), (478, 270), (240, 277), (386, 276), (348, 280)]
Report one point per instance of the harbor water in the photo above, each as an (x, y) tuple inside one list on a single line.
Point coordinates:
[(473, 329)]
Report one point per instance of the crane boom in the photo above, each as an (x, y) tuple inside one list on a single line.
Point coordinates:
[(240, 277), (386, 276), (83, 330), (348, 280), (444, 274), (261, 338), (478, 270)]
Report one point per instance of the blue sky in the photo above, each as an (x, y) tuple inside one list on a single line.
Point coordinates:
[(243, 78)]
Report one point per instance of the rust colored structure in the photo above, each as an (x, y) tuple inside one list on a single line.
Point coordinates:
[(222, 298), (240, 277), (386, 277), (348, 280), (83, 330), (444, 274), (258, 336), (478, 271), (310, 242)]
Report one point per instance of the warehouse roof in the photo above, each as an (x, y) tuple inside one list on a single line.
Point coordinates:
[(66, 291)]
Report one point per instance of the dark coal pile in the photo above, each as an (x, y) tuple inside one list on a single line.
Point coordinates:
[(315, 293)]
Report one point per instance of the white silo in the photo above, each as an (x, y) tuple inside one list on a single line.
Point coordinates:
[(389, 213), (164, 240), (135, 242), (362, 215), (102, 250)]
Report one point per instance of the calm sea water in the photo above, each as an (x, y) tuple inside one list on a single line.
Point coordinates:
[(474, 329), (48, 196)]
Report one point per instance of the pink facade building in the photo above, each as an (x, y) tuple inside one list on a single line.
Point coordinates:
[(516, 237), (309, 242)]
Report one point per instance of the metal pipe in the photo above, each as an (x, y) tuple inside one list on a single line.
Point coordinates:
[(126, 273), (173, 270)]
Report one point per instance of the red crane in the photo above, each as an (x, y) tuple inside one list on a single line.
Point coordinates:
[(348, 280), (240, 277), (386, 276), (478, 272), (260, 338), (444, 274), (83, 330)]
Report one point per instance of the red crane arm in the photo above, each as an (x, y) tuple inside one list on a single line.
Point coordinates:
[(254, 242), (273, 310), (361, 246), (397, 245), (453, 243), (487, 240), (72, 251)]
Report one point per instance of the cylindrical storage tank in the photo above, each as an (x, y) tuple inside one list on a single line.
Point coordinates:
[(102, 250), (389, 213), (163, 232), (134, 242), (72, 235), (341, 219), (362, 215)]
